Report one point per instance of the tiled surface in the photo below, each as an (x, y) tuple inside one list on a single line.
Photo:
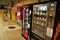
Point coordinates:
[(9, 34)]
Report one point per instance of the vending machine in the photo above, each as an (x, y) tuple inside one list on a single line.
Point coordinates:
[(43, 20), (26, 25), (19, 15)]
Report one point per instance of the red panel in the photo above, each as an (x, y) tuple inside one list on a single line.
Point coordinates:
[(19, 9), (25, 33)]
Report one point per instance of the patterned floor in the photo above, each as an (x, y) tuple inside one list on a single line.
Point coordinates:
[(9, 34)]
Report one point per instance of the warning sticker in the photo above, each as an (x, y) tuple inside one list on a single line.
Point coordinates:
[(49, 32)]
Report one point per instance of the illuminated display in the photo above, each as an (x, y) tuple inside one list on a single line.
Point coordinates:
[(43, 8)]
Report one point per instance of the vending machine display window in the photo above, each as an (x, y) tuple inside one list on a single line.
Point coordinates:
[(39, 11)]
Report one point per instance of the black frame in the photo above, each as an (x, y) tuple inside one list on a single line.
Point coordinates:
[(57, 19)]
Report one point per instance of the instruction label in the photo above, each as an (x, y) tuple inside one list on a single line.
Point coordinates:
[(49, 32)]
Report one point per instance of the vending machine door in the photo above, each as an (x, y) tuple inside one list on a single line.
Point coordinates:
[(26, 21), (43, 20)]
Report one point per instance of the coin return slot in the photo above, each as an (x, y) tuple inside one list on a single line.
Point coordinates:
[(50, 18)]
